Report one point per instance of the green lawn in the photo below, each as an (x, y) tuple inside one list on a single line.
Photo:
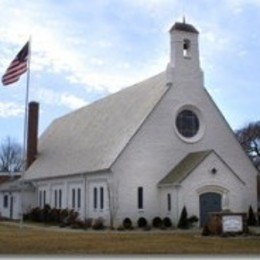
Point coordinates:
[(42, 241)]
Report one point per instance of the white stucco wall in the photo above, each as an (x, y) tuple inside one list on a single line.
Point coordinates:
[(224, 182), (83, 182), (27, 199), (157, 147)]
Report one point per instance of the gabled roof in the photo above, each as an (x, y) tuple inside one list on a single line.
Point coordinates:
[(15, 184), (91, 138), (189, 164), (184, 168)]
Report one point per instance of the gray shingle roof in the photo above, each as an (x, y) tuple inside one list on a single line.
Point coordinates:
[(184, 168), (184, 27), (15, 184), (91, 138)]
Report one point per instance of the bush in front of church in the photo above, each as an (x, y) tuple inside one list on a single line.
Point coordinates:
[(167, 223), (183, 221), (157, 222), (142, 222), (251, 220)]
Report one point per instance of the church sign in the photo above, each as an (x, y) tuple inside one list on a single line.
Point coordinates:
[(232, 223)]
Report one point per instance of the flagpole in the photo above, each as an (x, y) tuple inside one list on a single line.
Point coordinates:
[(25, 130)]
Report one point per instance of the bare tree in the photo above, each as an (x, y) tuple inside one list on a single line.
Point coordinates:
[(249, 138), (10, 156)]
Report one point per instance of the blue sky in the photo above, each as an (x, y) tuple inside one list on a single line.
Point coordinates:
[(85, 50)]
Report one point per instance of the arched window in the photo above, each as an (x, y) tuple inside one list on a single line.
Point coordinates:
[(186, 48)]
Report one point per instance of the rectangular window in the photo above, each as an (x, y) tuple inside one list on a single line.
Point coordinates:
[(79, 198), (44, 198), (60, 199), (5, 201), (55, 198), (169, 202), (95, 197), (101, 197), (140, 197), (73, 198), (40, 198)]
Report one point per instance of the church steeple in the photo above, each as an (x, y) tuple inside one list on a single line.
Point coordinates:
[(184, 49), (184, 45)]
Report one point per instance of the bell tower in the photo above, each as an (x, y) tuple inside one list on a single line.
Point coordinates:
[(184, 52)]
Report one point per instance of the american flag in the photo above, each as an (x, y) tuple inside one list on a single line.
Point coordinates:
[(17, 67)]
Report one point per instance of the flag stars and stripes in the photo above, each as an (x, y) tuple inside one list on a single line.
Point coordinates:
[(17, 67)]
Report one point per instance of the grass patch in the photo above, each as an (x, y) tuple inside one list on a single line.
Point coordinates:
[(46, 241)]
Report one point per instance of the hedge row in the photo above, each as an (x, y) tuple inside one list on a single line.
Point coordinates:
[(142, 222), (66, 217), (63, 218)]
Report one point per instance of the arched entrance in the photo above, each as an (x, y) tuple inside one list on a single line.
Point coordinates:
[(209, 202)]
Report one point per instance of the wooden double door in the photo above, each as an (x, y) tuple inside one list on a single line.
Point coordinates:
[(209, 202)]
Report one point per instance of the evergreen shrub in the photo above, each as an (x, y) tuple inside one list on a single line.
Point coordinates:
[(157, 222), (142, 222), (167, 222), (183, 221), (127, 223), (251, 220)]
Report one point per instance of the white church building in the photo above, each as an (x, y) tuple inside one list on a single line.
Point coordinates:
[(147, 150)]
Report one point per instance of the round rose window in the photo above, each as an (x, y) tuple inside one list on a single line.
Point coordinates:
[(187, 123)]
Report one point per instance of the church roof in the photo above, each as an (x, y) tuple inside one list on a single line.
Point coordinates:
[(184, 27), (91, 138), (15, 184), (184, 168), (189, 164)]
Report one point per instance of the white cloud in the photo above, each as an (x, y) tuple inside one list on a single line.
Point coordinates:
[(60, 99), (96, 59), (217, 39), (52, 48), (237, 7), (242, 3), (152, 5), (242, 53), (72, 101), (97, 63), (10, 109)]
